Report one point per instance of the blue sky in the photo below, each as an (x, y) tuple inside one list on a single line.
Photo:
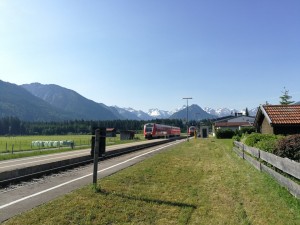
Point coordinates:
[(151, 54)]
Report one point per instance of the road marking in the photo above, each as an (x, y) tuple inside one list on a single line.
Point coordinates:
[(41, 160), (35, 157), (108, 148), (79, 178)]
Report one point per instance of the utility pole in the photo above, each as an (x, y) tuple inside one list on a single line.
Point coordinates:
[(187, 116)]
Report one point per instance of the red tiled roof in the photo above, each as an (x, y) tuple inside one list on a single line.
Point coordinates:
[(283, 114)]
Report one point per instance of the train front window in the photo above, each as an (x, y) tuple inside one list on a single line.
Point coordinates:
[(149, 128)]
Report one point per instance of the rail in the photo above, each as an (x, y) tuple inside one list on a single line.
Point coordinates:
[(283, 170)]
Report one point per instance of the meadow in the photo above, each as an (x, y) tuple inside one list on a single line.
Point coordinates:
[(198, 182), (22, 146)]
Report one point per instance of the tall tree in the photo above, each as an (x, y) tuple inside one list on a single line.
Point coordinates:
[(285, 98), (247, 111)]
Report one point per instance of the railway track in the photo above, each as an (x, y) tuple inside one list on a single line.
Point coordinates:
[(13, 171)]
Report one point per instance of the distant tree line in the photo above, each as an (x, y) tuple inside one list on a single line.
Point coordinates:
[(14, 126)]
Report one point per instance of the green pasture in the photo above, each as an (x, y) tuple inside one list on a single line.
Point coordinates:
[(23, 144), (197, 182)]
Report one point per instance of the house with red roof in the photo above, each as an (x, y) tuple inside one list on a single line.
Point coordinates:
[(278, 119), (233, 123)]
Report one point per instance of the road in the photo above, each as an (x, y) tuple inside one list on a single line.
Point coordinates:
[(25, 196)]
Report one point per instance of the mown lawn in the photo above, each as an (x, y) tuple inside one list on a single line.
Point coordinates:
[(196, 182)]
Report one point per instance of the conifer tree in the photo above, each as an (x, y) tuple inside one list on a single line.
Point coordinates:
[(285, 98), (247, 112)]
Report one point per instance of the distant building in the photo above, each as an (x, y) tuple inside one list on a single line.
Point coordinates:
[(111, 132), (127, 135), (233, 123), (204, 130), (278, 119)]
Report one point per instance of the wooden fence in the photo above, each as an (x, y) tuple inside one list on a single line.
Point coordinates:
[(260, 159)]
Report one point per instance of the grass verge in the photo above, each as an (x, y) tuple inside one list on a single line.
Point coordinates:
[(197, 182)]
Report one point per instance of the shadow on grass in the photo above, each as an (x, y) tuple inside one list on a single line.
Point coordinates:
[(189, 207)]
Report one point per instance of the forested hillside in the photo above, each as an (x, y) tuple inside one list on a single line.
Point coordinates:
[(17, 102), (71, 102)]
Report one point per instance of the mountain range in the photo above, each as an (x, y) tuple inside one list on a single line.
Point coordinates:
[(50, 102)]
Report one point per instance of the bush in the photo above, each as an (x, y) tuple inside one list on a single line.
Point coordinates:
[(268, 145), (252, 139), (236, 138), (247, 130), (289, 147), (222, 134), (266, 142)]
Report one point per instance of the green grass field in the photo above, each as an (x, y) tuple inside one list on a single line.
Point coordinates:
[(196, 182), (21, 146), (23, 143)]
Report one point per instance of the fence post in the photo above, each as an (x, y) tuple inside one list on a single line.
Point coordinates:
[(259, 160), (96, 156), (102, 141), (12, 149), (243, 151)]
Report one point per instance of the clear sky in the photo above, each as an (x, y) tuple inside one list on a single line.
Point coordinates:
[(150, 54)]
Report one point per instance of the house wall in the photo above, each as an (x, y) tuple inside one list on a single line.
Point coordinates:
[(111, 134), (126, 135), (266, 127)]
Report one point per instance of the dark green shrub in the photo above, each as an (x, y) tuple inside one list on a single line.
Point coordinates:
[(236, 138), (248, 130), (289, 147), (252, 139), (222, 134), (267, 145), (266, 142)]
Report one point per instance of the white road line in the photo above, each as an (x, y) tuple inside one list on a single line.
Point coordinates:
[(41, 160), (35, 157), (79, 178), (109, 148)]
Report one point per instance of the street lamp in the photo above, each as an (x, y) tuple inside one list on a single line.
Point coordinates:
[(187, 116)]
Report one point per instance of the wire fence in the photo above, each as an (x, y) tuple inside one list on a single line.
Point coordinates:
[(32, 143)]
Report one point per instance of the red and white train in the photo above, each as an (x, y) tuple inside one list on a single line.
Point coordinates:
[(192, 130), (154, 130)]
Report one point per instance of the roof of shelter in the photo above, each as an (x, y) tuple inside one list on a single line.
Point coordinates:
[(279, 114)]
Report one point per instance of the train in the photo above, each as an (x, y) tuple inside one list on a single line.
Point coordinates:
[(192, 130), (154, 130)]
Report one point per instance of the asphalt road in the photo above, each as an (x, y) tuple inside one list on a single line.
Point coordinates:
[(25, 196)]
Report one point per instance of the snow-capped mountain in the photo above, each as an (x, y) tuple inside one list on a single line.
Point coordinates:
[(133, 114), (220, 112), (140, 114), (177, 109), (252, 112), (161, 114), (195, 113)]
